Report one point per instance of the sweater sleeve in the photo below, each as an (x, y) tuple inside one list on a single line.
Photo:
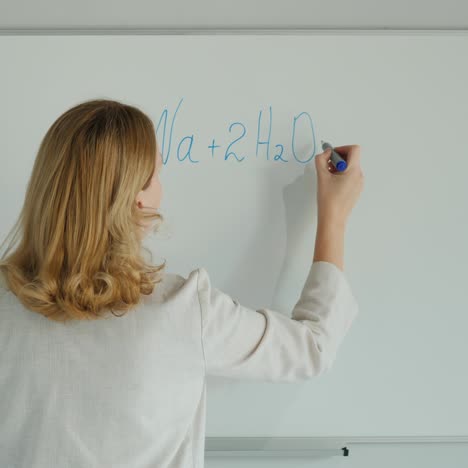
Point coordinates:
[(264, 344)]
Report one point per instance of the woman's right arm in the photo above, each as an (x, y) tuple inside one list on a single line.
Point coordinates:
[(242, 342)]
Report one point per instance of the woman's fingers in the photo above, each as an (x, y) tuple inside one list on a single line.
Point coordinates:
[(350, 153)]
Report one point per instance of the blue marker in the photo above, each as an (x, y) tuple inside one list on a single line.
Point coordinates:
[(336, 159)]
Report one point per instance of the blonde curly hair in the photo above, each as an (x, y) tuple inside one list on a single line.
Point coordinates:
[(80, 249)]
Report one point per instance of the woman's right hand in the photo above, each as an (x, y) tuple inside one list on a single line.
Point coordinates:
[(338, 192)]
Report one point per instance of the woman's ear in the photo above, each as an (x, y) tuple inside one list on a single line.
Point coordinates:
[(138, 199)]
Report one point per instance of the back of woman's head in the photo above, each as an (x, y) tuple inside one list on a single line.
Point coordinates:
[(80, 229)]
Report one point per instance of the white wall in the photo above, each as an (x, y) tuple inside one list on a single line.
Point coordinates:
[(240, 13)]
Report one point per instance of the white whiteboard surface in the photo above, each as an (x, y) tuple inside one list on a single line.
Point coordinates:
[(402, 370)]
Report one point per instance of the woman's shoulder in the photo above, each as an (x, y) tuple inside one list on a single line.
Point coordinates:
[(173, 284)]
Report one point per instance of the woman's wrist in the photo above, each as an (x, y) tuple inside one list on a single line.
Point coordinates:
[(326, 216), (329, 240)]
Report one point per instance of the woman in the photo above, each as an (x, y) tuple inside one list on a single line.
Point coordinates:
[(84, 386)]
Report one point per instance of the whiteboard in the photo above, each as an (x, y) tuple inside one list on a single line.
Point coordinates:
[(248, 215)]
